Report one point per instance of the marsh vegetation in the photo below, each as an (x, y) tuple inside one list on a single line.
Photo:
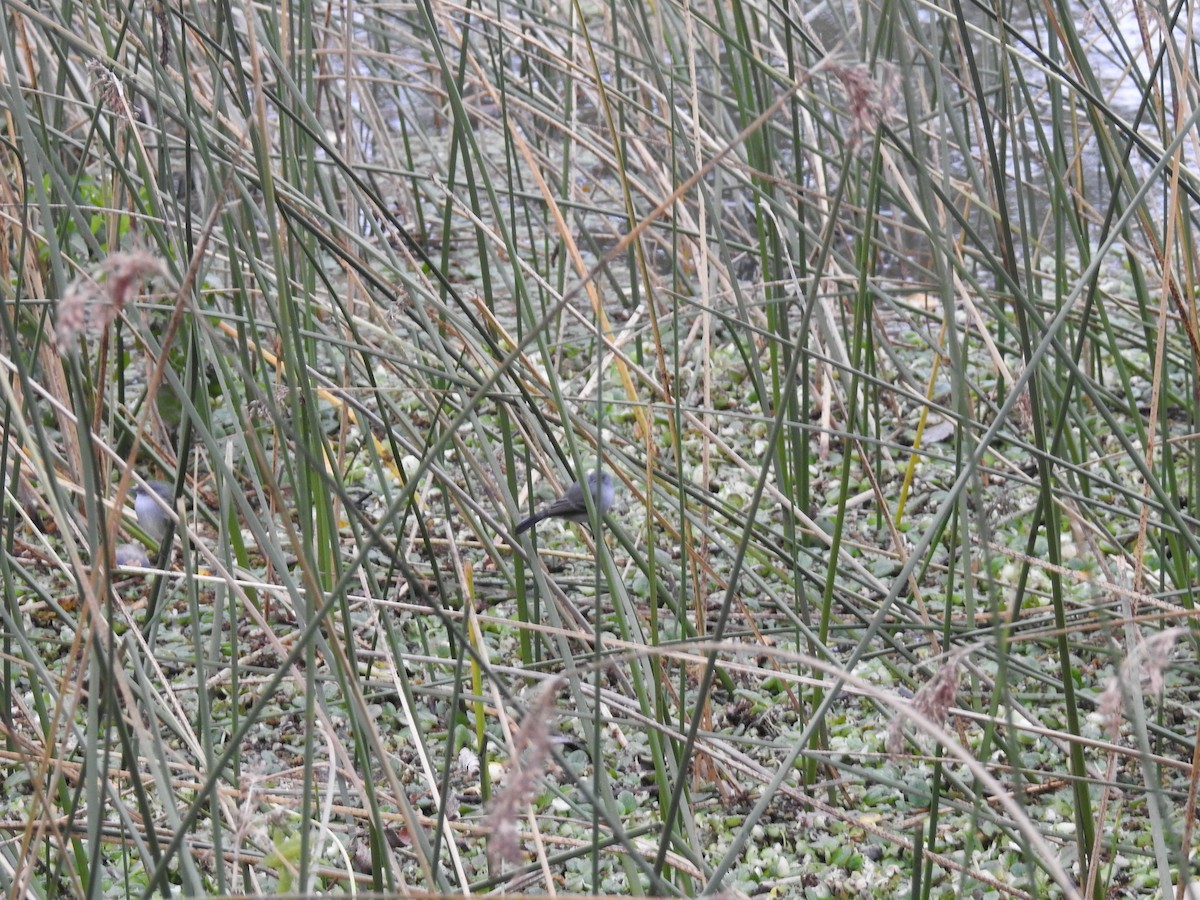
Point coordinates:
[(882, 318)]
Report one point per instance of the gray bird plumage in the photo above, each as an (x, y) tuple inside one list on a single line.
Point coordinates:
[(152, 517), (572, 506), (131, 555)]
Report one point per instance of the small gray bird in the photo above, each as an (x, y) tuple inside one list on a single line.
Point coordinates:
[(152, 517), (131, 555), (571, 505)]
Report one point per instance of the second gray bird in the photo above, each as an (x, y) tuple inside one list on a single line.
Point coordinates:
[(571, 505)]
